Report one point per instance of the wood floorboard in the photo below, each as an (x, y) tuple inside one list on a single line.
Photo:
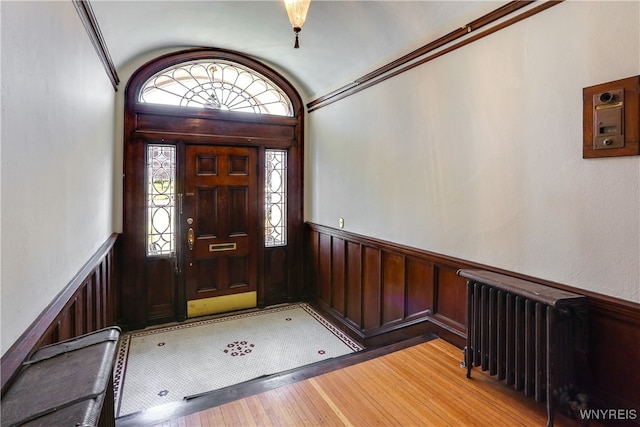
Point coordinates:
[(153, 416), (422, 385), (316, 409)]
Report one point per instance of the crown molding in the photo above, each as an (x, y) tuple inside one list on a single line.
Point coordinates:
[(93, 30)]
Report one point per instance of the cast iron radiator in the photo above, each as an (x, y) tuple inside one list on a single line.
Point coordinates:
[(524, 333)]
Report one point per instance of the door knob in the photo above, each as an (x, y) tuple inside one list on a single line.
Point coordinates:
[(190, 238)]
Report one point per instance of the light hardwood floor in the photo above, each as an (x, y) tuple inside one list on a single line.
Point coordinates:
[(422, 385)]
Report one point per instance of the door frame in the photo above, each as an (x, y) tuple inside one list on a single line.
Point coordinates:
[(280, 270)]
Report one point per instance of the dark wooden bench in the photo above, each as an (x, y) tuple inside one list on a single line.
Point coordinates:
[(69, 383)]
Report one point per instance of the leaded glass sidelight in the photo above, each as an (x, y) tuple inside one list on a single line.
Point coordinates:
[(216, 85), (275, 198), (161, 195)]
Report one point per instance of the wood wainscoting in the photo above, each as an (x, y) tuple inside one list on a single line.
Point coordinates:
[(88, 303), (380, 292)]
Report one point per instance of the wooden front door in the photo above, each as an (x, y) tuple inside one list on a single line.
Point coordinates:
[(214, 168), (220, 229)]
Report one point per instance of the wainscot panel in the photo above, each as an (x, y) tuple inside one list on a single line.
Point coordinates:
[(381, 292), (276, 279)]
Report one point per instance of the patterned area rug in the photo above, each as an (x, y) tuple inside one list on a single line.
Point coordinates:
[(158, 366)]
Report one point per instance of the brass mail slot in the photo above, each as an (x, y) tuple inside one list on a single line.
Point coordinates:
[(607, 106), (222, 247)]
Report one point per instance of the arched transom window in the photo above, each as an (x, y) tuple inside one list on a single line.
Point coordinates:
[(218, 85)]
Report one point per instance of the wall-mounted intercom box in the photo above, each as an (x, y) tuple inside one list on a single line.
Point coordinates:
[(611, 114)]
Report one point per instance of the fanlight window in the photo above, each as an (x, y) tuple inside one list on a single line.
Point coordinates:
[(217, 85)]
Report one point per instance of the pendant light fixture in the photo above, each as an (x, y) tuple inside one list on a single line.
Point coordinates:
[(297, 11)]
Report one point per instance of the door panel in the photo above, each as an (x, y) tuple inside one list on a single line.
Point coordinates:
[(221, 207), (161, 302)]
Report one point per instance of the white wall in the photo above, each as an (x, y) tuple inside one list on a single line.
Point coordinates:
[(478, 154), (57, 156)]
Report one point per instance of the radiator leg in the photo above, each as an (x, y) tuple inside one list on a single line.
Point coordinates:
[(550, 408), (468, 357), (466, 363)]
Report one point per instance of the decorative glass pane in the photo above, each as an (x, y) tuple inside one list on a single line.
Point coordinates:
[(161, 178), (275, 198), (216, 85)]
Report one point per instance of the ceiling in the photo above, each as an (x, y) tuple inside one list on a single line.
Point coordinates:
[(340, 41)]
